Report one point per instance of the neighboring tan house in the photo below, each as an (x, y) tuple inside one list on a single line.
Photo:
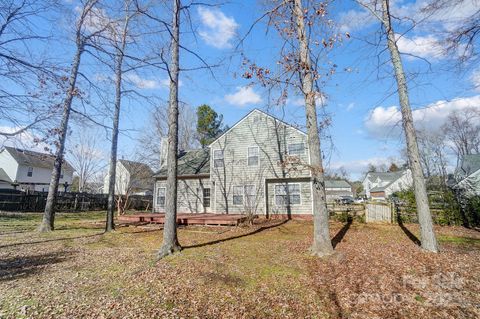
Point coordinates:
[(29, 170), (260, 166), (380, 185), (467, 175), (132, 178), (337, 189)]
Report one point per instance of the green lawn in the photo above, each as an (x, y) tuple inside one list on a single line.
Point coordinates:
[(262, 271)]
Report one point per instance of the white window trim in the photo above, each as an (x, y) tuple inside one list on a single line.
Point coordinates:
[(258, 155), (209, 197), (243, 195), (217, 158), (304, 148), (275, 194), (156, 197)]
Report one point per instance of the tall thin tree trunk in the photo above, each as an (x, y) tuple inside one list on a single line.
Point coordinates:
[(110, 224), (322, 245), (120, 54), (428, 239), (170, 240), (49, 213)]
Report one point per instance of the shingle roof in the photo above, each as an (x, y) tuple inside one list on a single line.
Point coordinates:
[(385, 176), (136, 167), (388, 177), (4, 177), (141, 174), (35, 159), (468, 165), (193, 162), (337, 183), (378, 189)]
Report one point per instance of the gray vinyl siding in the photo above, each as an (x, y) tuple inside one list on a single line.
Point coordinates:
[(305, 206), (190, 195), (272, 137)]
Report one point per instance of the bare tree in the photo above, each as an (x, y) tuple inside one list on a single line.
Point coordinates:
[(82, 37), (307, 38), (432, 153), (428, 239), (135, 178), (25, 74), (119, 41), (157, 129), (170, 240), (461, 37), (86, 159), (462, 129)]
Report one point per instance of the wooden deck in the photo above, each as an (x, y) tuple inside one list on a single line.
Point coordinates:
[(187, 219)]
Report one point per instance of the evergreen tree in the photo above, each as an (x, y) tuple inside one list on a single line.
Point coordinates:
[(209, 124)]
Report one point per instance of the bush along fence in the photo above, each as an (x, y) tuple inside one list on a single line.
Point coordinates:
[(18, 201)]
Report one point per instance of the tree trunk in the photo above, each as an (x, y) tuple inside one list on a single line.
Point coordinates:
[(120, 55), (110, 224), (429, 242), (170, 241), (49, 213), (322, 245)]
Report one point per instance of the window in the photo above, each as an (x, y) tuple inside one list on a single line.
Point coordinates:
[(250, 195), (287, 194), (206, 197), (161, 196), (296, 149), (61, 173), (30, 172), (218, 158), (237, 195), (253, 152)]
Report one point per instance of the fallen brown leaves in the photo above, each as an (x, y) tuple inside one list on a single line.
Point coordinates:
[(263, 271)]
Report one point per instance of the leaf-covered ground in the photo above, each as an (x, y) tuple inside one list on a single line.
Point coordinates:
[(261, 271)]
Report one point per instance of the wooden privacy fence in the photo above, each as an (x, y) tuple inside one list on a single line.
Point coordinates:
[(16, 201), (378, 212)]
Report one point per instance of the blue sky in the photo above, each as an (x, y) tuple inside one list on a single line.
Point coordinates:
[(361, 101)]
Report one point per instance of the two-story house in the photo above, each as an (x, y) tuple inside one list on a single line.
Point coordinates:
[(30, 170), (132, 178), (260, 165), (380, 185)]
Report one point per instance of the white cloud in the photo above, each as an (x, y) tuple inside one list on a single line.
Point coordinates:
[(354, 20), (427, 47), (350, 106), (385, 122), (218, 30), (97, 20), (475, 79), (296, 101), (25, 139), (243, 96), (446, 18), (142, 83)]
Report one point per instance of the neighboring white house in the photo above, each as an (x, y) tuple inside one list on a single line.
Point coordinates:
[(133, 178), (380, 185), (467, 175), (337, 189), (30, 170)]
